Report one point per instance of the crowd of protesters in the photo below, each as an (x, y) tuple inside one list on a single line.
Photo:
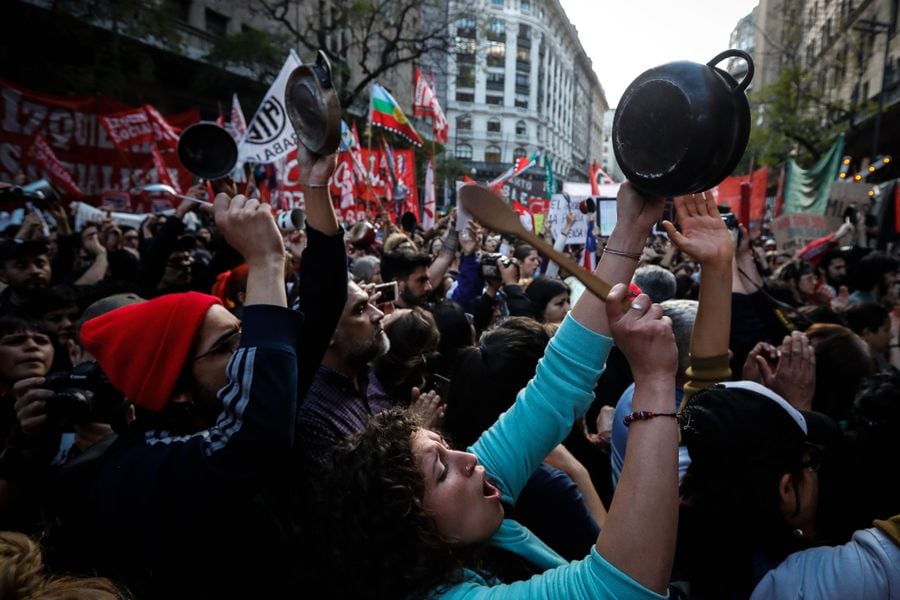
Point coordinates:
[(207, 406)]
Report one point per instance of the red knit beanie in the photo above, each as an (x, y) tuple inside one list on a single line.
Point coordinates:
[(143, 347)]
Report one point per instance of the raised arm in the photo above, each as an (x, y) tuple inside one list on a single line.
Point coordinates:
[(638, 536), (705, 238), (636, 214)]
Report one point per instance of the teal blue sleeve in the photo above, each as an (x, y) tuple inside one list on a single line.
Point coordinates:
[(542, 416), (590, 578)]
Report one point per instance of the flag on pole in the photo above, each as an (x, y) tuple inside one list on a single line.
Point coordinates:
[(430, 200), (807, 190), (425, 104), (162, 172), (550, 186), (237, 126), (41, 154), (521, 165), (589, 259), (270, 135), (386, 113), (592, 174)]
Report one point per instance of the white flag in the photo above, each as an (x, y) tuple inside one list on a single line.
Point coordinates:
[(270, 134), (428, 213), (238, 125)]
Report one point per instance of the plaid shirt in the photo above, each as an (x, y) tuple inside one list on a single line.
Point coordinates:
[(334, 409)]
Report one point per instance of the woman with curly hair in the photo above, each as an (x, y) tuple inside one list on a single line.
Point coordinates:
[(22, 575), (404, 515)]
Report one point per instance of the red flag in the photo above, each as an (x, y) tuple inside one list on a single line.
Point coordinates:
[(139, 126), (592, 175), (41, 154), (467, 179), (162, 173), (524, 215), (425, 104), (779, 195)]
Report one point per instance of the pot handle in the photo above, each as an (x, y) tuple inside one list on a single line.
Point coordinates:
[(734, 52)]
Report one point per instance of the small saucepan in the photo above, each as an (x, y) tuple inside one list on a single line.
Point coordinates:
[(682, 127)]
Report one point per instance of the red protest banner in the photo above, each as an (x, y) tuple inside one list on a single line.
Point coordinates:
[(729, 193), (40, 154), (72, 129), (373, 162)]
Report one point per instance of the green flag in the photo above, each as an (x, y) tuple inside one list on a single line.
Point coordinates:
[(806, 190), (550, 187)]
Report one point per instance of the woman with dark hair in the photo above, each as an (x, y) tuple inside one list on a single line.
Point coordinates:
[(842, 364), (456, 334), (414, 338), (529, 260), (754, 466), (800, 279), (549, 299), (407, 516)]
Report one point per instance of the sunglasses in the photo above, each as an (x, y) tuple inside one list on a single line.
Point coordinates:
[(227, 345)]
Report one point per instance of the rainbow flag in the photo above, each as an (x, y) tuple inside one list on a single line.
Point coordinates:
[(385, 113)]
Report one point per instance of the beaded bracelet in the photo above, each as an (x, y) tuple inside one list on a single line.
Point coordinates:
[(630, 255), (644, 415)]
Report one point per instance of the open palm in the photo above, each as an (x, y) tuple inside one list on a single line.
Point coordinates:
[(703, 234)]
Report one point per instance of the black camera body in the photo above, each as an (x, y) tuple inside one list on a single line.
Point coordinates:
[(731, 222), (84, 395), (489, 264)]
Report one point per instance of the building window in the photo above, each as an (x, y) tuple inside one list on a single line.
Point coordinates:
[(524, 31), (496, 54), (525, 5), (523, 81), (216, 23), (496, 81), (465, 76), (464, 151), (493, 125), (492, 154), (521, 128), (465, 97), (519, 153), (464, 123), (496, 30), (495, 100), (497, 3), (521, 101), (465, 27)]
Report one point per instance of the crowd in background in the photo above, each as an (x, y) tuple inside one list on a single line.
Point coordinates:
[(209, 406)]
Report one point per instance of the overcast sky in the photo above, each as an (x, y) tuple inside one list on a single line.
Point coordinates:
[(624, 38)]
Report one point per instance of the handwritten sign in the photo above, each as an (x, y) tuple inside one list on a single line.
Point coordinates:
[(560, 206)]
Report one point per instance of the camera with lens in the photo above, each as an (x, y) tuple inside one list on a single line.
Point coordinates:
[(84, 395), (489, 264), (731, 222), (39, 193)]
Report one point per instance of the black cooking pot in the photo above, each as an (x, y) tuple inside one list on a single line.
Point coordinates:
[(682, 127)]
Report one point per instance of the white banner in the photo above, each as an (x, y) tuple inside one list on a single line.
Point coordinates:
[(270, 135)]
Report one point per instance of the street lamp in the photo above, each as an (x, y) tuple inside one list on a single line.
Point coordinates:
[(873, 28)]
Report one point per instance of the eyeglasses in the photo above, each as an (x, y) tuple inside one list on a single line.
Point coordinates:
[(227, 345), (814, 462)]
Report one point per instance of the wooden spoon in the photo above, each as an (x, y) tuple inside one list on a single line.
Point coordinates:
[(491, 211)]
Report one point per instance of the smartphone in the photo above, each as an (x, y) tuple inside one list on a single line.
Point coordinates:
[(668, 215), (439, 384), (388, 292)]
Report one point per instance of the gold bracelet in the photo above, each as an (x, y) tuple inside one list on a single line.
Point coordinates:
[(630, 255)]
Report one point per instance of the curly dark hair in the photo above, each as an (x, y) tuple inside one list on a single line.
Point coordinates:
[(375, 538)]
